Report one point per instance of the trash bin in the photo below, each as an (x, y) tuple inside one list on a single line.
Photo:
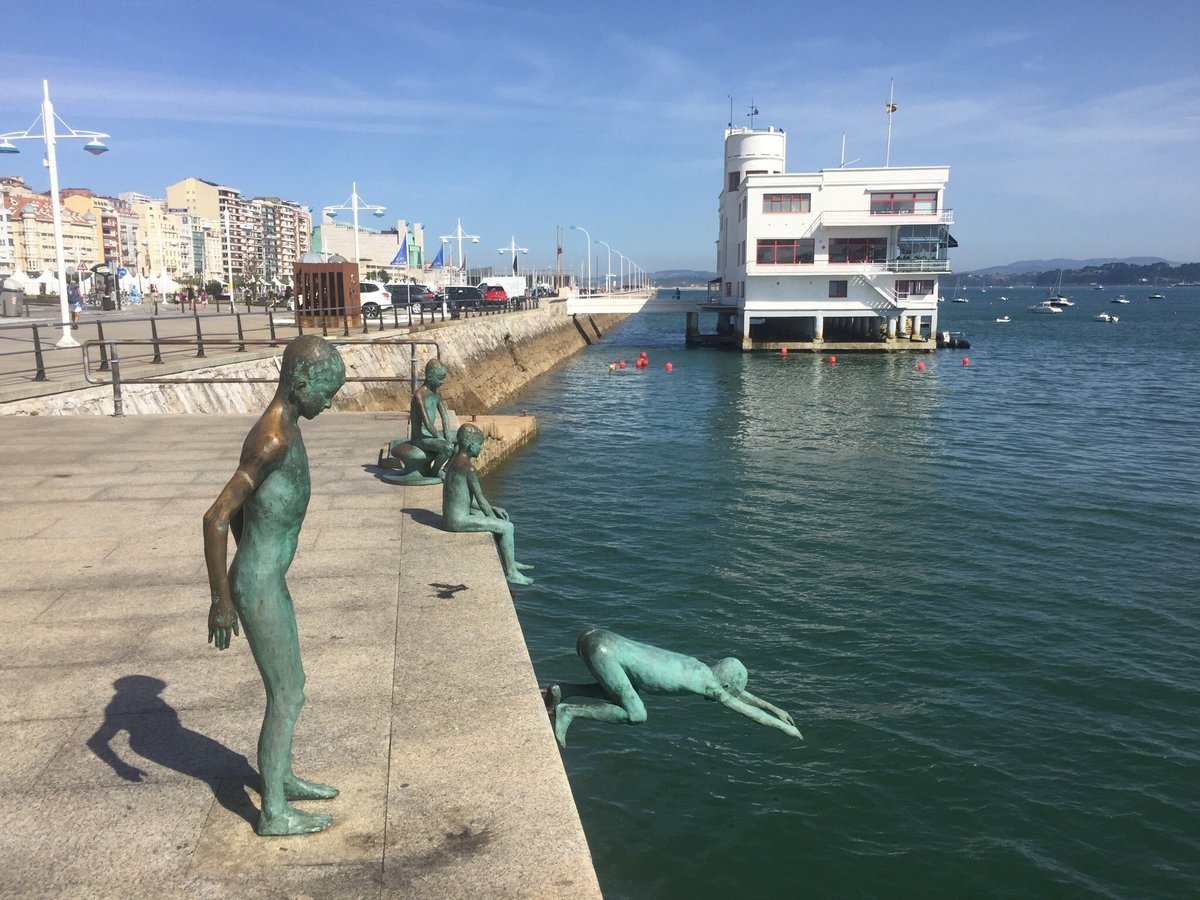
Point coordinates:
[(108, 302), (10, 297)]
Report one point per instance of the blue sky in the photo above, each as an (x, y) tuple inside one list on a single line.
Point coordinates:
[(1071, 129)]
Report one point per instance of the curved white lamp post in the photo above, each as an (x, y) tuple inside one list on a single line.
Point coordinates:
[(589, 256)]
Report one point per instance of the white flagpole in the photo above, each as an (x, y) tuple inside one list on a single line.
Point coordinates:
[(891, 108)]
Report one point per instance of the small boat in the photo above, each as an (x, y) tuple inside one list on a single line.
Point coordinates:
[(1156, 296), (1046, 306), (1120, 299), (959, 300), (1097, 287), (1004, 320), (1105, 317), (1002, 297), (952, 340)]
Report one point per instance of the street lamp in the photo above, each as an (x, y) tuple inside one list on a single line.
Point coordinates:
[(49, 135), (353, 202), (608, 269), (513, 249), (589, 255), (624, 259), (459, 234)]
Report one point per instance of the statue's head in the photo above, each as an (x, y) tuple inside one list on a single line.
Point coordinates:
[(732, 675), (435, 372), (470, 438), (312, 372)]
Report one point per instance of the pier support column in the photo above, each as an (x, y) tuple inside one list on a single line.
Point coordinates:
[(891, 328), (818, 327)]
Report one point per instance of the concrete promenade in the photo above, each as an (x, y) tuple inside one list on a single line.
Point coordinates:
[(127, 744)]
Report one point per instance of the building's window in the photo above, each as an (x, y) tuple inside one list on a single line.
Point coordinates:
[(735, 179), (787, 203), (742, 289), (894, 203), (922, 242), (857, 250), (785, 251), (729, 289), (916, 288), (839, 288), (741, 253)]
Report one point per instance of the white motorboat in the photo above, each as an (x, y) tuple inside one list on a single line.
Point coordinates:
[(1157, 296), (1120, 299), (1004, 320), (1105, 317), (959, 300), (1046, 306)]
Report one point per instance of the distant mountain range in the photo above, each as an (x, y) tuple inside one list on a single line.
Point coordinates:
[(1029, 266), (681, 277)]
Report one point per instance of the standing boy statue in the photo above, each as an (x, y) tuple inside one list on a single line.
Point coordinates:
[(623, 667), (464, 507), (264, 505), (427, 405)]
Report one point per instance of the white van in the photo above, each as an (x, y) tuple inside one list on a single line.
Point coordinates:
[(514, 285)]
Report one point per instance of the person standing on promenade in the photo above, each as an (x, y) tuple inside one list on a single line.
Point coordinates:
[(264, 505), (75, 301)]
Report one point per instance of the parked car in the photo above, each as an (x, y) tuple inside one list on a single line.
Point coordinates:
[(494, 294), (414, 296), (373, 296), (459, 297)]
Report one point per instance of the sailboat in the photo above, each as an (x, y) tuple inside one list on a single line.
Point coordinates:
[(957, 298), (1055, 297)]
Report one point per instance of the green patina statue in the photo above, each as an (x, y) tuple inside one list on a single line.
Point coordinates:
[(464, 507), (422, 457), (623, 667), (264, 505)]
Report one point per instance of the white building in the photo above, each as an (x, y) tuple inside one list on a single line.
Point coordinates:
[(844, 258)]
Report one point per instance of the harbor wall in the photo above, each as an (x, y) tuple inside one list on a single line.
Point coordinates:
[(491, 359)]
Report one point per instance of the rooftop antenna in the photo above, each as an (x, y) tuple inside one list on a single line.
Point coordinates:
[(730, 96), (891, 108), (843, 163), (753, 112)]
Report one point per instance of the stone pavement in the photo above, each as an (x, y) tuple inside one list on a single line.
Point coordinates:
[(127, 744)]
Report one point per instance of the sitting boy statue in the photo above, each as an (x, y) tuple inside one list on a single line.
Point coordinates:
[(421, 458), (623, 667), (464, 507)]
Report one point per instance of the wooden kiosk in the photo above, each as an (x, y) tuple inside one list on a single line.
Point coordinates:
[(327, 293)]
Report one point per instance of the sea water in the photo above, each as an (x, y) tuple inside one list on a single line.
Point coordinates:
[(975, 586)]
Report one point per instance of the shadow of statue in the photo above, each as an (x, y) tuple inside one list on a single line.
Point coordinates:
[(156, 734), (423, 516)]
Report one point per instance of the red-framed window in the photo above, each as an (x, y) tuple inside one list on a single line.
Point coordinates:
[(895, 203), (785, 251), (918, 288), (839, 288), (857, 250), (787, 203)]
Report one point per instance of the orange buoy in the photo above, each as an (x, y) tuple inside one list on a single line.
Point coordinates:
[(966, 361), (668, 367), (621, 364), (920, 367), (833, 360), (783, 351)]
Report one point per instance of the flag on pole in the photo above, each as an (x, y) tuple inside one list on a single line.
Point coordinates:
[(401, 257), (438, 260), (514, 264), (462, 263), (892, 107)]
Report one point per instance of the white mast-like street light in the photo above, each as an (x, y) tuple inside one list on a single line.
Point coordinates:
[(589, 254), (624, 259), (459, 234), (513, 249), (608, 269), (354, 202), (49, 135)]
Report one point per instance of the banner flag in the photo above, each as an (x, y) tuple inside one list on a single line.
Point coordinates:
[(401, 257), (438, 260)]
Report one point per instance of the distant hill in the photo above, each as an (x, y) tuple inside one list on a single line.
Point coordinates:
[(1028, 266), (681, 277)]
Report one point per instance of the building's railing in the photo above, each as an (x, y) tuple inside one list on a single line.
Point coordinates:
[(866, 217), (109, 359), (822, 268)]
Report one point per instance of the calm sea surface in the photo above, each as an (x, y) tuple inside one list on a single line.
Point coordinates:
[(976, 588)]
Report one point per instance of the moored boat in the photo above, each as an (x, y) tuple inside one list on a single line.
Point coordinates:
[(1046, 306), (1120, 299)]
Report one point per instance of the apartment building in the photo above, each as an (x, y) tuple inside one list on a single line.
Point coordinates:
[(29, 223)]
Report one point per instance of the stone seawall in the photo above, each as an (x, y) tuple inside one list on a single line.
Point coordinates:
[(491, 359)]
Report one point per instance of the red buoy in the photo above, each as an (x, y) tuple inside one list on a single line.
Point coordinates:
[(920, 367), (833, 360), (783, 351), (669, 367), (966, 361), (621, 364)]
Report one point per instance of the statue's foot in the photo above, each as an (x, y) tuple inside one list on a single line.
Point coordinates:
[(562, 721), (296, 788), (515, 577), (552, 696), (292, 821), (523, 567)]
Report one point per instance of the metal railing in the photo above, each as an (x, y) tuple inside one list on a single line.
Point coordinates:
[(110, 361)]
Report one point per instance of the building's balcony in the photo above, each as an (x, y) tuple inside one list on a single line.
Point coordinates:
[(859, 217)]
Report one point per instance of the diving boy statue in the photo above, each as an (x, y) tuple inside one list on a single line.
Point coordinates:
[(264, 505), (623, 667), (465, 508)]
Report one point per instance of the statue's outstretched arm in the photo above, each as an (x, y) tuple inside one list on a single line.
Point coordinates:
[(477, 497), (748, 697), (753, 712)]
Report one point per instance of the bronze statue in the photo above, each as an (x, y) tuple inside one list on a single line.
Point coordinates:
[(465, 508), (264, 505), (623, 667), (422, 457)]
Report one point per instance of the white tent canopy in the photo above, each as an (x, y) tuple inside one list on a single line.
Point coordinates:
[(23, 279), (48, 278), (164, 283)]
